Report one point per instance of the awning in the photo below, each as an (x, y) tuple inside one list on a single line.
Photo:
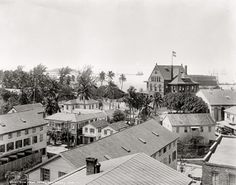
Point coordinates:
[(4, 159)]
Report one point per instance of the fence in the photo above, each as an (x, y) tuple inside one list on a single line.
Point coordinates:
[(19, 164)]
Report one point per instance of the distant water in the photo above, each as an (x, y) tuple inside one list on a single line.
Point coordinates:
[(233, 87)]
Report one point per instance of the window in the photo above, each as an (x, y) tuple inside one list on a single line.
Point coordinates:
[(18, 134), (174, 144), (19, 144), (169, 159), (99, 130), (164, 150), (165, 160), (215, 178), (41, 128), (26, 141), (160, 153), (86, 129), (35, 139), (66, 107), (177, 129), (91, 130), (228, 116), (105, 132), (169, 146), (26, 131), (173, 155), (61, 174), (150, 87), (41, 138), (43, 151), (209, 129), (201, 129), (232, 179), (34, 130), (159, 87), (185, 129), (2, 148), (155, 87), (10, 146), (1, 137), (44, 174), (9, 135)]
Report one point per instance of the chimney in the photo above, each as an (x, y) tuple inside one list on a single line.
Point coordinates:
[(92, 166), (185, 70)]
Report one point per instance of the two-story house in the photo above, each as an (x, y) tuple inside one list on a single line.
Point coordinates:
[(148, 137), (160, 78), (188, 126), (22, 139)]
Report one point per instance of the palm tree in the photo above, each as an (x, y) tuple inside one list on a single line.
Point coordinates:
[(146, 108), (102, 76), (157, 101), (111, 92), (122, 79), (52, 105), (110, 75)]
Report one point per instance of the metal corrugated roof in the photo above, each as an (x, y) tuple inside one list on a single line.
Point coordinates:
[(132, 169), (205, 80), (190, 119), (26, 107), (114, 145)]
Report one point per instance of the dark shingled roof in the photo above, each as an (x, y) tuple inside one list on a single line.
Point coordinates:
[(165, 70), (26, 107), (123, 143), (131, 169), (205, 80), (190, 119), (99, 123), (182, 79)]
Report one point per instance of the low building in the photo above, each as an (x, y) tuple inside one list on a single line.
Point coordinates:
[(218, 100), (118, 126), (205, 81), (219, 164), (27, 107), (145, 170), (73, 123), (79, 103), (149, 137), (189, 126), (229, 124), (22, 138)]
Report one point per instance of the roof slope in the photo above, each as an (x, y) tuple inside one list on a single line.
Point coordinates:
[(20, 120), (219, 96), (231, 110), (99, 123), (73, 117), (120, 125), (190, 119), (79, 101), (182, 79), (205, 80), (165, 70), (132, 169), (128, 139), (26, 107)]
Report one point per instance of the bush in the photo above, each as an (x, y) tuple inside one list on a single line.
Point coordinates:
[(118, 115)]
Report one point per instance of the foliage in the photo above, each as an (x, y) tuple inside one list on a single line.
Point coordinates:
[(64, 77), (51, 105), (110, 75), (102, 77), (122, 79), (157, 101), (118, 115), (16, 177), (185, 102)]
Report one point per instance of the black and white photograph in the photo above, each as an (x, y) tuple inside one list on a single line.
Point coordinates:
[(117, 92)]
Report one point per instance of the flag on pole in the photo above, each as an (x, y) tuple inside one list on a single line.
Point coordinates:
[(173, 53)]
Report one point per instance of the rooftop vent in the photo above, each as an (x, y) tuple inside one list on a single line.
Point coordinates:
[(2, 124), (107, 157), (156, 134), (126, 149), (143, 141), (227, 97), (24, 121)]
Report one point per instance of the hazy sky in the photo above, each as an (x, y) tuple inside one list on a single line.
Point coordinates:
[(125, 36)]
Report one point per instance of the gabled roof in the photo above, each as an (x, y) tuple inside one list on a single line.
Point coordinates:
[(79, 101), (26, 107), (165, 70), (120, 125), (131, 169), (122, 143), (231, 110), (20, 121), (219, 96), (73, 117), (99, 123), (190, 119), (182, 79), (205, 80)]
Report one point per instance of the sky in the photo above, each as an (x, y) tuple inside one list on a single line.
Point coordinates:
[(125, 36)]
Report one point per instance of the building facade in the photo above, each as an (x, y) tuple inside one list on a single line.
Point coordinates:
[(189, 126)]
